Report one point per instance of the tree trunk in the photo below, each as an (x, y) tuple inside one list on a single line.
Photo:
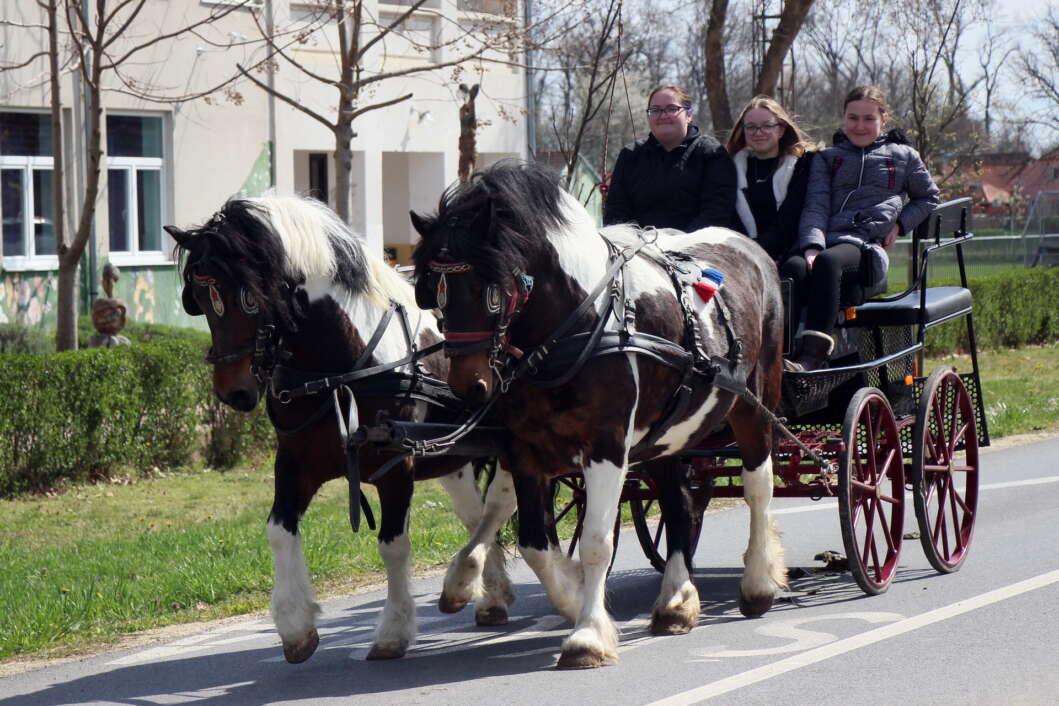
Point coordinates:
[(70, 260), (791, 19), (65, 335), (343, 172), (716, 85)]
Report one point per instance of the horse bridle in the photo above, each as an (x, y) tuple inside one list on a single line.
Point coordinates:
[(262, 347), (502, 304)]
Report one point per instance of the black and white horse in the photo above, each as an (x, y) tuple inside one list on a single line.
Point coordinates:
[(283, 277), (511, 260)]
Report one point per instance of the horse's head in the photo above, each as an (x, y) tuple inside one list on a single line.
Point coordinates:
[(236, 279), (474, 263)]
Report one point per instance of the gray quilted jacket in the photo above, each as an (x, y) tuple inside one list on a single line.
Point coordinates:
[(855, 194)]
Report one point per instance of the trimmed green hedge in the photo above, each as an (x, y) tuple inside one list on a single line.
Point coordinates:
[(90, 414), (1011, 309)]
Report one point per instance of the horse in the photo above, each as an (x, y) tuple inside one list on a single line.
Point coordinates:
[(291, 297), (594, 385)]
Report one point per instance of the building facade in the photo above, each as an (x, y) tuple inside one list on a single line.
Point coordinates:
[(177, 145)]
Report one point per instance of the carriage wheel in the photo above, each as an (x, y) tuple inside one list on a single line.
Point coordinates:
[(871, 490), (643, 500), (944, 458), (568, 506)]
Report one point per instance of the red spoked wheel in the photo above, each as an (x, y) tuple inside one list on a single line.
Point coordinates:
[(871, 490), (568, 505), (945, 470), (643, 498)]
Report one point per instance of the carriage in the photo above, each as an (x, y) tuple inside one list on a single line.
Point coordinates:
[(302, 318), (862, 431)]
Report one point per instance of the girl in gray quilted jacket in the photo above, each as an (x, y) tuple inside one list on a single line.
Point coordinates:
[(854, 211)]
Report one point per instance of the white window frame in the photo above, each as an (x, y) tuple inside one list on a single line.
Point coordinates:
[(28, 164), (131, 165)]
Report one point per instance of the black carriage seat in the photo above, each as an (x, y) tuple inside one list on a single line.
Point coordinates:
[(942, 304)]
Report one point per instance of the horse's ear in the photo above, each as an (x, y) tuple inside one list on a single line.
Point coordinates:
[(473, 92), (179, 236), (421, 224), (190, 305)]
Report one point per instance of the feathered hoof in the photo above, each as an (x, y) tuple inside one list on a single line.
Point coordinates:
[(755, 607), (388, 650), (491, 616), (298, 652), (585, 658), (672, 623), (448, 604)]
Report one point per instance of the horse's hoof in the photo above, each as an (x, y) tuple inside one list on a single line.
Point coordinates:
[(671, 623), (448, 604), (392, 650), (491, 616), (298, 652), (584, 658), (755, 607)]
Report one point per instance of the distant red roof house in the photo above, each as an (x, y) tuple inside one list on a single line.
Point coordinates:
[(1040, 175), (991, 179)]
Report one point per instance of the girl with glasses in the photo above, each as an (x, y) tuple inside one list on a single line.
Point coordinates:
[(677, 177), (772, 157), (855, 208)]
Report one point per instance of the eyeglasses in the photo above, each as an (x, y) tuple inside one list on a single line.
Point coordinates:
[(759, 128), (655, 111)]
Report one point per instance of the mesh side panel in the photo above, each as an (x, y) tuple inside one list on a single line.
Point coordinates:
[(974, 390)]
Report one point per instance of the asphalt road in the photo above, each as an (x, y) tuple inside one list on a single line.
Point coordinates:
[(985, 635)]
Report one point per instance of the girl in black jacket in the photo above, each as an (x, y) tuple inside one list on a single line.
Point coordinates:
[(677, 177)]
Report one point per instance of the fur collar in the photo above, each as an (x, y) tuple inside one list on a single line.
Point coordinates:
[(781, 179)]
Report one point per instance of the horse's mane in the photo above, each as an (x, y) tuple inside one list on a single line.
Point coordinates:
[(523, 202), (263, 243)]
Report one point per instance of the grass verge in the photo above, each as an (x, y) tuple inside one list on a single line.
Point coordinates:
[(100, 561)]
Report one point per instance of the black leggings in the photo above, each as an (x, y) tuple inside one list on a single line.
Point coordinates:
[(820, 289)]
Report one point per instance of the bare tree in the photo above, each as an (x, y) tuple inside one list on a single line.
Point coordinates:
[(993, 54), (1039, 67), (792, 16), (354, 81), (98, 33), (716, 85)]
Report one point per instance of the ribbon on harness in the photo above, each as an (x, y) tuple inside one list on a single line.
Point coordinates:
[(709, 285)]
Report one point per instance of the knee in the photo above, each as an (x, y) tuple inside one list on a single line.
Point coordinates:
[(595, 550)]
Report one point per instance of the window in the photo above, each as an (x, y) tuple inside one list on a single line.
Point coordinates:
[(318, 187), (415, 37), (135, 185), (26, 191), (490, 7)]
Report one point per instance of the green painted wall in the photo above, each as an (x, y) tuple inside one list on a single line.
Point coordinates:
[(151, 294)]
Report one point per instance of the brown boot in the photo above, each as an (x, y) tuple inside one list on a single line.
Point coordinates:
[(815, 350)]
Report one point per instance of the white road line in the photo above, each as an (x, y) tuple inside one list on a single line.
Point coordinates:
[(831, 505), (819, 654)]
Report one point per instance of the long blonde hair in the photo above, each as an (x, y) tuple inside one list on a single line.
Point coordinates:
[(793, 141)]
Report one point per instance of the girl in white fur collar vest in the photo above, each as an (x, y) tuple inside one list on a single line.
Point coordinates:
[(772, 156)]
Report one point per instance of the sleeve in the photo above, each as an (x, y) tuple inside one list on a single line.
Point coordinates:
[(923, 194), (618, 207), (815, 215), (717, 197), (789, 215)]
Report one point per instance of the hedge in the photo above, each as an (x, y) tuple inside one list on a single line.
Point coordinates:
[(1015, 308), (90, 414)]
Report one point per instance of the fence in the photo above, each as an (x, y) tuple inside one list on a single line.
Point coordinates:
[(983, 255)]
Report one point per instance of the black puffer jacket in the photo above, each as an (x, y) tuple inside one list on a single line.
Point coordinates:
[(689, 187)]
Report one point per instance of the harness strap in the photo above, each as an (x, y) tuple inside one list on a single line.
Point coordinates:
[(529, 364)]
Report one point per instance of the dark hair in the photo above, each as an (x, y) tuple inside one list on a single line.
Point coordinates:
[(868, 93), (683, 96)]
